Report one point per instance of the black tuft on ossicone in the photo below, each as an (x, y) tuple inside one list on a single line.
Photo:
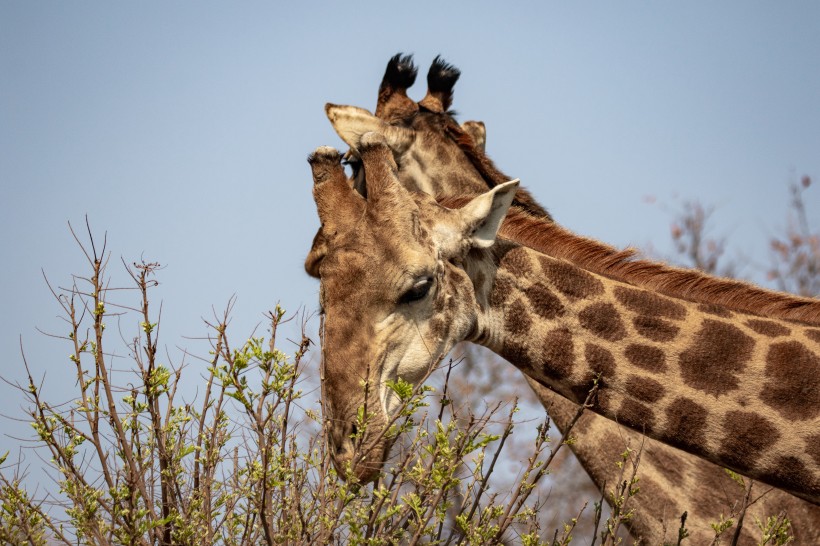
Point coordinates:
[(400, 72), (442, 76)]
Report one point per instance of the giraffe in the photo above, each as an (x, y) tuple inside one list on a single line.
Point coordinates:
[(664, 463), (561, 307)]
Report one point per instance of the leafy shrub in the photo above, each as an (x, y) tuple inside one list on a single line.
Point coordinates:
[(247, 463)]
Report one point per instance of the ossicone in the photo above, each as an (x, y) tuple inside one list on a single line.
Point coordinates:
[(337, 203), (400, 73), (393, 104), (441, 78)]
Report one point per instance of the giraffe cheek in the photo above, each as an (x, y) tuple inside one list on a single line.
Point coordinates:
[(409, 359), (438, 329)]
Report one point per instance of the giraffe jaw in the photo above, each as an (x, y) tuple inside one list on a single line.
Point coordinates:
[(411, 359)]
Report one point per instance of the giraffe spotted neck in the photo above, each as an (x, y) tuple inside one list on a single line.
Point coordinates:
[(735, 388), (663, 496)]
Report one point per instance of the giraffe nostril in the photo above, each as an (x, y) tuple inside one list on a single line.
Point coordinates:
[(343, 439)]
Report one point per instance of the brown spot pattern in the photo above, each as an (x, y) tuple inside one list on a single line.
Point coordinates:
[(636, 415), (583, 389), (517, 320), (613, 442), (768, 328), (438, 327), (686, 424), (666, 459), (646, 356), (517, 262), (644, 388), (716, 310), (558, 353), (650, 489), (746, 436), (571, 280), (791, 473), (602, 320), (649, 303), (600, 360), (794, 387), (502, 288), (544, 302), (654, 328), (602, 403), (717, 354), (813, 335), (711, 478), (516, 353)]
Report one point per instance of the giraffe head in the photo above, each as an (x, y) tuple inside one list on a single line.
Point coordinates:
[(432, 152), (394, 296)]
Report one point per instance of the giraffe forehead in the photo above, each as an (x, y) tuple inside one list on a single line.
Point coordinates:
[(380, 233), (375, 268), (433, 141), (429, 123), (370, 273)]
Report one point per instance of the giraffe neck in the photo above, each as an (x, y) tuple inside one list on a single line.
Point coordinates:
[(734, 388)]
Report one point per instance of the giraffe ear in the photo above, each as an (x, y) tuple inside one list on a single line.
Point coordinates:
[(481, 218), (351, 123)]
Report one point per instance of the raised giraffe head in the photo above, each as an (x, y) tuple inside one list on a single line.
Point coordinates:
[(390, 310), (432, 152)]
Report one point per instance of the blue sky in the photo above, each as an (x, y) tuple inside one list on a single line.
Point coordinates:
[(182, 130)]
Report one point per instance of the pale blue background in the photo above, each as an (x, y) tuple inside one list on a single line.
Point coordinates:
[(181, 129)]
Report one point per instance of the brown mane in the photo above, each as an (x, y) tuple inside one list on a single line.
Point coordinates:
[(689, 284)]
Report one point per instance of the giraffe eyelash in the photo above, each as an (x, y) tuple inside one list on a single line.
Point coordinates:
[(418, 291)]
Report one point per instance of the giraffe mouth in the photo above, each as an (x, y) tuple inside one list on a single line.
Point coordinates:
[(366, 464)]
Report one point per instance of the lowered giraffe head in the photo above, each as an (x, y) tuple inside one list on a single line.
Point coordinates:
[(432, 152), (390, 310)]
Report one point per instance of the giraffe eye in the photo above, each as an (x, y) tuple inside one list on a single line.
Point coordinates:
[(418, 290)]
